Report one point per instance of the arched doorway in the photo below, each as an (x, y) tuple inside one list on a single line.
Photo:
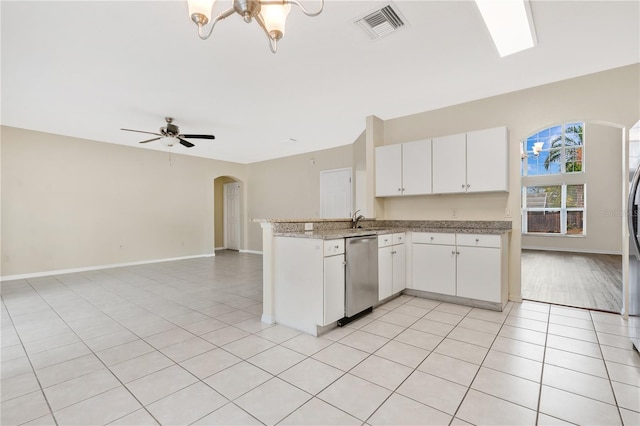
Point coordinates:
[(572, 221), (227, 213)]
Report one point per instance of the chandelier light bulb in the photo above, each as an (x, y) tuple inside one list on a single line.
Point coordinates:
[(275, 17), (200, 11)]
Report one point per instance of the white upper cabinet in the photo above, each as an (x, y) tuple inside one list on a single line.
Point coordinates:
[(416, 168), (449, 164), (488, 160), (388, 170), (471, 162), (403, 169)]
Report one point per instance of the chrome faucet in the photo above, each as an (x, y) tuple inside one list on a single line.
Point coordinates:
[(355, 219)]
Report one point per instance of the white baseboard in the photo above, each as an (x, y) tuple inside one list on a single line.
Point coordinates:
[(251, 252), (588, 251), (94, 268), (220, 248)]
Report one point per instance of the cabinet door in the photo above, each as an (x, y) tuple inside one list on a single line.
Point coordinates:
[(449, 164), (488, 160), (416, 167), (399, 268), (479, 273), (434, 268), (385, 272), (388, 170), (333, 288)]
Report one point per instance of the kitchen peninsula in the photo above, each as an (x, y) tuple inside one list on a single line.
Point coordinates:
[(461, 262)]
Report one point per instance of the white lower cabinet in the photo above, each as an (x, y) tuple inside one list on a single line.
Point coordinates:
[(309, 282), (478, 270), (391, 264), (472, 266), (399, 268), (434, 268), (482, 267), (434, 262), (333, 288)]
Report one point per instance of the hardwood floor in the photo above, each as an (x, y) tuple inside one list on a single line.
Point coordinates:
[(582, 280)]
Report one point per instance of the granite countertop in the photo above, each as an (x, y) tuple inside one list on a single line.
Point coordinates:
[(324, 230)]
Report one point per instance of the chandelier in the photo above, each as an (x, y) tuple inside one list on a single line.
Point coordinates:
[(269, 14)]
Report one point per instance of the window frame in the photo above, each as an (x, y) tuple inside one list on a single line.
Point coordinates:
[(563, 209)]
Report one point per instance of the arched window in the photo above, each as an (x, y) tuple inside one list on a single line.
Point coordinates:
[(553, 203), (555, 150)]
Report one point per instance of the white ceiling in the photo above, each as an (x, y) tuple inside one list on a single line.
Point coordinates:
[(86, 69)]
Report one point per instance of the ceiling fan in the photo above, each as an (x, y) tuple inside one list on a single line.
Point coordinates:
[(172, 132)]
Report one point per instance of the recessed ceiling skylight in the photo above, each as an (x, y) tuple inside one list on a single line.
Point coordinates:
[(510, 24)]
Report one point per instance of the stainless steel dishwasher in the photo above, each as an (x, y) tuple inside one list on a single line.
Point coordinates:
[(361, 291)]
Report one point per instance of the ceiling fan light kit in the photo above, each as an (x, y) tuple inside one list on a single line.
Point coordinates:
[(270, 15)]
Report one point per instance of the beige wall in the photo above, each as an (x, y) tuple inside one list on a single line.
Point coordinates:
[(289, 188), (603, 179), (219, 209), (72, 203)]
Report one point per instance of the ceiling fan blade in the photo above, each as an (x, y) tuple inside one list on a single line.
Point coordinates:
[(185, 143), (198, 136), (141, 131), (150, 140)]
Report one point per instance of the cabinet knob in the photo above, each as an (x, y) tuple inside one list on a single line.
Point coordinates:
[(457, 252), (462, 186), (468, 185), (453, 252), (337, 247), (432, 238), (399, 189), (477, 240)]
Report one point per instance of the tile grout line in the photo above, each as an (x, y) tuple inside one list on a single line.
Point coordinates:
[(479, 367), (176, 363), (606, 368), (544, 355), (97, 357), (33, 370)]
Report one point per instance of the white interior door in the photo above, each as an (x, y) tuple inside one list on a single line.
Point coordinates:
[(335, 193), (232, 216)]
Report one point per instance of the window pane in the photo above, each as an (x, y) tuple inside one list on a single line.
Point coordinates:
[(543, 222), (575, 196), (544, 196), (539, 165), (573, 163), (574, 134), (575, 223)]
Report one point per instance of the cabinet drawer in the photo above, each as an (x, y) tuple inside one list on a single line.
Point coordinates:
[(385, 240), (433, 238), (332, 247), (398, 238), (479, 240)]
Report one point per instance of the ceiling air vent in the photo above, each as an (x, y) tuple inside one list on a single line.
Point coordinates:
[(381, 22)]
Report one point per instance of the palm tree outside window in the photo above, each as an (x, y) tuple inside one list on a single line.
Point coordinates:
[(555, 150)]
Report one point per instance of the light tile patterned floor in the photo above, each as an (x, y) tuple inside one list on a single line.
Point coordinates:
[(181, 343)]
